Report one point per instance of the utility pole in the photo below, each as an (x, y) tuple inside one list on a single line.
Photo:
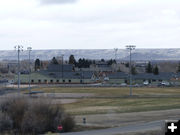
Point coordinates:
[(130, 48), (19, 48), (29, 50)]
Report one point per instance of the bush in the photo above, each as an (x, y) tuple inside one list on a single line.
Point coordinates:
[(68, 123), (42, 117), (35, 116), (6, 123)]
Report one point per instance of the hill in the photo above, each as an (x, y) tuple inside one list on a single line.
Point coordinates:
[(138, 54)]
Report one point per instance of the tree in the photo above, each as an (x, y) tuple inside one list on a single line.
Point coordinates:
[(102, 60), (37, 64), (54, 61), (110, 62), (133, 70), (156, 70), (72, 60), (44, 64), (149, 68), (119, 70), (83, 63), (127, 65), (178, 68)]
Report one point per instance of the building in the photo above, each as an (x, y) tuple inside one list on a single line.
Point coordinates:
[(60, 68), (57, 74)]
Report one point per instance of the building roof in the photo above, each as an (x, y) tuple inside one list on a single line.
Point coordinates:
[(143, 76), (118, 75), (78, 75), (59, 68), (151, 76), (69, 75)]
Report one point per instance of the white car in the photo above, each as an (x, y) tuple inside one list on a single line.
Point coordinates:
[(123, 84), (146, 83), (106, 79), (165, 83)]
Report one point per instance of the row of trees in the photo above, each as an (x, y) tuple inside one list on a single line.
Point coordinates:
[(81, 63), (178, 68), (85, 63), (151, 69)]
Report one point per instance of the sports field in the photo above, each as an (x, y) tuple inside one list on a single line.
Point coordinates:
[(115, 99)]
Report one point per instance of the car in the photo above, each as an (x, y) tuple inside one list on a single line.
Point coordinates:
[(123, 84), (136, 85), (106, 79), (146, 83), (165, 83)]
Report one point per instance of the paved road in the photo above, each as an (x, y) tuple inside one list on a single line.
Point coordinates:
[(155, 125)]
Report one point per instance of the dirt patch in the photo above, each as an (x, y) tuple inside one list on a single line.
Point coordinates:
[(63, 101), (92, 108), (66, 95)]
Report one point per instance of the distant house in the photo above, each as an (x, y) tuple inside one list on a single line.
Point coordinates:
[(121, 77), (151, 78), (118, 77), (56, 74), (103, 67), (65, 74), (176, 79), (141, 63), (3, 81)]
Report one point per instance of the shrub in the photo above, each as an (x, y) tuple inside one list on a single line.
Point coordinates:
[(15, 109), (68, 123), (35, 116), (6, 123), (42, 117)]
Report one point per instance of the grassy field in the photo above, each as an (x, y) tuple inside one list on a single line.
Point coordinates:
[(115, 100), (107, 100), (112, 91), (104, 106)]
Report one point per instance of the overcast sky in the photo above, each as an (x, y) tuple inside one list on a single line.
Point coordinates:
[(89, 24)]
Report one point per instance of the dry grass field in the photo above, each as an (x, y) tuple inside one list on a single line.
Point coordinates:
[(115, 99), (112, 91)]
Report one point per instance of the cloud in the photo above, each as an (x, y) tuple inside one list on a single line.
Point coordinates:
[(57, 1), (96, 23)]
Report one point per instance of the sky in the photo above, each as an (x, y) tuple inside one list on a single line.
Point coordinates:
[(89, 24)]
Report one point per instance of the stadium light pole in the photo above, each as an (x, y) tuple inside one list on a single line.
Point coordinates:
[(19, 48), (29, 51), (130, 48)]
